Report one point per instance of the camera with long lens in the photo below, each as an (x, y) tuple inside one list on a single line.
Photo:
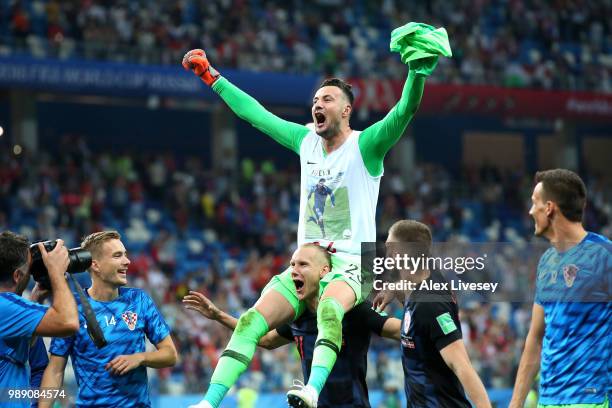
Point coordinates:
[(80, 260)]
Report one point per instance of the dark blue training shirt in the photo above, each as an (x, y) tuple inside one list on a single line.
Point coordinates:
[(431, 322), (346, 385)]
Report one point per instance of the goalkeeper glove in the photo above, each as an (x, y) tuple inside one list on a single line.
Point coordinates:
[(196, 61), (424, 66)]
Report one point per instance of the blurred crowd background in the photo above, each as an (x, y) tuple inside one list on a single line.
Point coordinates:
[(225, 235), (562, 44)]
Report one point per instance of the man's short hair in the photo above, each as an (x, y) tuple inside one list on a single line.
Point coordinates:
[(93, 242), (14, 250), (345, 87), (566, 189), (415, 233), (321, 251)]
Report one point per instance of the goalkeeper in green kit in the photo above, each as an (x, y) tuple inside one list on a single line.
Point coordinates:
[(351, 164)]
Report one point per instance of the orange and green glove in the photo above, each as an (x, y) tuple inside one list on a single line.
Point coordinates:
[(196, 62)]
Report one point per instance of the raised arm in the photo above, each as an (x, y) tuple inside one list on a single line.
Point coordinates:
[(61, 319), (204, 306), (376, 140), (419, 46), (287, 133)]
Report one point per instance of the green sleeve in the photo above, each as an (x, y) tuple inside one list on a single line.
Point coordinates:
[(376, 140), (287, 133)]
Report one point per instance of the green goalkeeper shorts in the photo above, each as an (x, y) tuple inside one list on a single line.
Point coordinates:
[(345, 268)]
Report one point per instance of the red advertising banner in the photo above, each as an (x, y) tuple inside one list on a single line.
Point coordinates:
[(381, 95)]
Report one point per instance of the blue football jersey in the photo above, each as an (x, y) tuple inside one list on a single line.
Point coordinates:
[(38, 360), (125, 321), (573, 288), (19, 318)]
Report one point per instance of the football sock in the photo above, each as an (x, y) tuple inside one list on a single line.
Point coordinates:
[(329, 340), (237, 356)]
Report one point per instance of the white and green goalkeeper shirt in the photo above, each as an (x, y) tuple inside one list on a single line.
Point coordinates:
[(339, 190)]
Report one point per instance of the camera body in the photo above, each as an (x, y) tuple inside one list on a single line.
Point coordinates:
[(80, 260)]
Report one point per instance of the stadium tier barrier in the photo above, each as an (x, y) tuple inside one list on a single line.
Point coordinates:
[(121, 79)]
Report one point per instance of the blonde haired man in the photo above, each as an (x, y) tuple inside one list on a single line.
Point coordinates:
[(114, 375)]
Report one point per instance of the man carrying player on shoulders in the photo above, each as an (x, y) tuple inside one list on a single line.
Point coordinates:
[(351, 162)]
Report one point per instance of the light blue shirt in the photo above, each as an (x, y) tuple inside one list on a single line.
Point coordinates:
[(19, 318), (573, 288)]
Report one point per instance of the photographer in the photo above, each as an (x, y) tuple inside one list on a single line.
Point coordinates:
[(21, 319)]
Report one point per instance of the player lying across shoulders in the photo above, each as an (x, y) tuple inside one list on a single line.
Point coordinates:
[(351, 162), (346, 385)]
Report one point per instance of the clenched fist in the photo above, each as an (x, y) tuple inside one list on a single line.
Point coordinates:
[(196, 62)]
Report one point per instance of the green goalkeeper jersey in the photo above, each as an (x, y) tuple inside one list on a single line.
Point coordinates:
[(349, 176)]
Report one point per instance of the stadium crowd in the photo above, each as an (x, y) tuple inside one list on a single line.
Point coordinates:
[(189, 228), (524, 43)]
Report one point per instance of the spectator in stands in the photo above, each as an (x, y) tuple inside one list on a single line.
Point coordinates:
[(535, 44)]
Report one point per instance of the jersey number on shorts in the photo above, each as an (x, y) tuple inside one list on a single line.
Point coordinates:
[(352, 273)]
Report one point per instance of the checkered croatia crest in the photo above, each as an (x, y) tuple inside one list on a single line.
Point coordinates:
[(130, 318)]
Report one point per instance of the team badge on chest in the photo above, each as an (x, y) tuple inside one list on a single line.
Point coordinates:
[(406, 322), (130, 318), (407, 341), (569, 274)]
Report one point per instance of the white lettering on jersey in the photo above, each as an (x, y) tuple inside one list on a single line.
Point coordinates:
[(110, 322)]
